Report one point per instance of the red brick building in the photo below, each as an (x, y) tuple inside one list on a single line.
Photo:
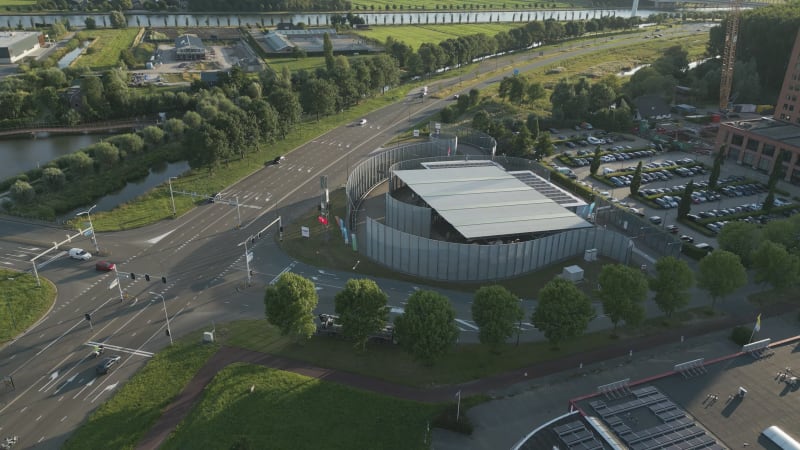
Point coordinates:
[(757, 143)]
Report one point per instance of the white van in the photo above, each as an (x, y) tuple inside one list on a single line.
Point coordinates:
[(607, 170)]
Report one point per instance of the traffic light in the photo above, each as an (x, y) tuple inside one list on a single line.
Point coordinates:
[(147, 277), (133, 276), (88, 317), (164, 280)]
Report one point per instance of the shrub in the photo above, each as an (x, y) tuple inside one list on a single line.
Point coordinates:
[(22, 191), (741, 335), (447, 420)]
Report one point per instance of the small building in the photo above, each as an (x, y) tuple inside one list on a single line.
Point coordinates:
[(651, 107), (15, 45), (189, 47)]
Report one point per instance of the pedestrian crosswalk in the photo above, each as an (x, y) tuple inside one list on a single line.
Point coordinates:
[(16, 256)]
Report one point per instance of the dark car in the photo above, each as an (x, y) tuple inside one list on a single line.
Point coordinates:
[(214, 197), (105, 266), (687, 238), (106, 364), (278, 160)]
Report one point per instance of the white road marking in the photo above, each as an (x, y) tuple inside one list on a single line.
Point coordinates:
[(467, 324), (156, 239)]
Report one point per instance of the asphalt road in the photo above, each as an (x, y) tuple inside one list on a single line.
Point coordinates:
[(200, 256)]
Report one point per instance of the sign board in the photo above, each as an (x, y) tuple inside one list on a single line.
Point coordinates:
[(516, 71), (114, 283), (305, 232), (416, 133), (88, 232), (249, 256), (437, 125)]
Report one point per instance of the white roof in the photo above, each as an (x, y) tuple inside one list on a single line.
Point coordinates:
[(487, 202)]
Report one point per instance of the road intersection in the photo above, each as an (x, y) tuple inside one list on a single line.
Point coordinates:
[(198, 255)]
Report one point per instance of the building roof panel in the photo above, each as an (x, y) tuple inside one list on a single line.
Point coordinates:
[(487, 201)]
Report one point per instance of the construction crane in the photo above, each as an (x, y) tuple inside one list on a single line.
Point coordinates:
[(729, 56)]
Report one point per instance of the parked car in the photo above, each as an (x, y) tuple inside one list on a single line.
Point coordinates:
[(104, 266), (656, 220), (106, 364), (672, 229), (687, 238), (79, 253)]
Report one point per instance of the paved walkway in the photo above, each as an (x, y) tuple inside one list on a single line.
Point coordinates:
[(495, 386)]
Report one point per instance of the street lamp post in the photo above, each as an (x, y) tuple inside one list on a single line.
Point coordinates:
[(88, 213), (238, 215), (171, 196), (169, 331)]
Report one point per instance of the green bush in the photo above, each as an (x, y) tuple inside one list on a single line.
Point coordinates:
[(447, 420), (741, 335)]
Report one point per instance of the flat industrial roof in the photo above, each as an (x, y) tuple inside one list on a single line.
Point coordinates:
[(484, 202), (9, 37)]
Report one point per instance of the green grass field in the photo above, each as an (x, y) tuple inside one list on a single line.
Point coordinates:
[(5, 4), (415, 35), (121, 421), (22, 303), (104, 52), (290, 411), (464, 5)]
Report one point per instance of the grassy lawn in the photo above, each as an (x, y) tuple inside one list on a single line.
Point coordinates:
[(465, 363), (287, 410), (22, 302), (5, 4), (104, 51), (120, 422), (414, 35)]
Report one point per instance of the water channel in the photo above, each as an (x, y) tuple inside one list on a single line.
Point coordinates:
[(315, 19), (23, 154)]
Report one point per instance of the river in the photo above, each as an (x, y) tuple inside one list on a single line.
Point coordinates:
[(315, 19), (23, 154)]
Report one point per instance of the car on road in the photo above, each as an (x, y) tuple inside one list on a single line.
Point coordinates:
[(214, 197), (79, 253), (655, 219), (106, 364), (104, 266), (362, 122), (672, 229), (278, 160), (687, 238)]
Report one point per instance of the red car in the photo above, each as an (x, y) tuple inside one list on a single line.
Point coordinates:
[(105, 266)]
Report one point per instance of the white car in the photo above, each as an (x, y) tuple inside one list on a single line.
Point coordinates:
[(362, 122), (79, 253)]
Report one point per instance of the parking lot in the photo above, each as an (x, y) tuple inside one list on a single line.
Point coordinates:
[(740, 190)]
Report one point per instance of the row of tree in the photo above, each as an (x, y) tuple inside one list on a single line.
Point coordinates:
[(426, 328)]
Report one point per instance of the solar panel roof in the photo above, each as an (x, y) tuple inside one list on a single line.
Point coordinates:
[(482, 202)]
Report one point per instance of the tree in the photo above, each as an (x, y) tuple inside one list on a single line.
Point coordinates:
[(543, 147), (713, 178), (105, 153), (720, 273), (22, 191), (685, 205), (594, 166), (772, 183), (741, 239), (361, 307), (636, 182), (534, 92), (623, 289), (563, 311), (53, 178), (90, 23), (327, 49), (481, 121), (118, 20), (496, 311), (671, 284), (319, 97), (130, 143), (774, 265), (78, 163), (427, 328), (290, 304), (153, 135)]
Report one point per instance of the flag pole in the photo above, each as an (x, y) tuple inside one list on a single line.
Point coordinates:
[(757, 327), (458, 405)]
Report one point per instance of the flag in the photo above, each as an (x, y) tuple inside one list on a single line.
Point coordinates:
[(758, 323)]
